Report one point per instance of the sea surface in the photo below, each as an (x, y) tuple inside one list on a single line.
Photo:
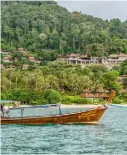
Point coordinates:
[(109, 137)]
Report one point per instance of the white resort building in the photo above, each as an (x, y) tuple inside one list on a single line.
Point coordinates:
[(113, 59)]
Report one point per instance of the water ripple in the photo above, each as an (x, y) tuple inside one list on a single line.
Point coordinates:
[(109, 137)]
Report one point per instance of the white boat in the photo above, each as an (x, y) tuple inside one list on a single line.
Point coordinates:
[(119, 105)]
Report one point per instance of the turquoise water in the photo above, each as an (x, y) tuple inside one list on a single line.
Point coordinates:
[(109, 137)]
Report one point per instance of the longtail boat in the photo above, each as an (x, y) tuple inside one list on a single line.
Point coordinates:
[(89, 117)]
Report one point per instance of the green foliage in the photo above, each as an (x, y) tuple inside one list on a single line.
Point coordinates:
[(43, 26), (75, 100), (52, 96), (110, 80), (123, 68), (96, 50), (117, 100), (48, 55), (125, 83), (23, 95), (69, 80), (47, 29)]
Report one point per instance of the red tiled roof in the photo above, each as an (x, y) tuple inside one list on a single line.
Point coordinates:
[(92, 95), (32, 58), (113, 55), (6, 58), (98, 91), (73, 55), (37, 61), (61, 56), (20, 49), (122, 55), (123, 75), (117, 55), (123, 91), (25, 65), (84, 56), (1, 66)]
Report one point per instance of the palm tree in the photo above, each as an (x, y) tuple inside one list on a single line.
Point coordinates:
[(51, 82)]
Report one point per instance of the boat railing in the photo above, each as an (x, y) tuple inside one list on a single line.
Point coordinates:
[(38, 106), (24, 112)]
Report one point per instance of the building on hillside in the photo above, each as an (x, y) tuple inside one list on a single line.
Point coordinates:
[(120, 56), (72, 55), (61, 58), (123, 91), (116, 59), (73, 58), (122, 77), (82, 60), (16, 59), (37, 61), (2, 66), (84, 56), (113, 59), (99, 94), (25, 66), (5, 52), (6, 59), (93, 96), (32, 58), (21, 50)]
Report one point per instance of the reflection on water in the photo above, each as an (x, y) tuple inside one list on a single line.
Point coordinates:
[(109, 137)]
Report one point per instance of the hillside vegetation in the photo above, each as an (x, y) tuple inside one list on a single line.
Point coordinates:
[(45, 27), (67, 79), (44, 30)]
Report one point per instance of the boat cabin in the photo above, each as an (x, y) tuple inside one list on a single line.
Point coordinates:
[(33, 111)]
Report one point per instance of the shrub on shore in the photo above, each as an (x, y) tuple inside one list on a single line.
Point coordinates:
[(75, 100), (52, 96)]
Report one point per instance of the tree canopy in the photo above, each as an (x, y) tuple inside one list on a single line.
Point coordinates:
[(39, 26), (44, 29)]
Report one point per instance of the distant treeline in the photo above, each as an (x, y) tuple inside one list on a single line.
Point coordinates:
[(66, 79)]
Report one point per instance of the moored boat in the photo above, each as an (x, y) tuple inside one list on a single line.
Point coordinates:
[(84, 117)]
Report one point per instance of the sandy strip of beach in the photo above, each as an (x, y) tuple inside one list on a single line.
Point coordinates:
[(79, 106)]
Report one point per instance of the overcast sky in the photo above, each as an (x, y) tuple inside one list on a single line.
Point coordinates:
[(101, 9)]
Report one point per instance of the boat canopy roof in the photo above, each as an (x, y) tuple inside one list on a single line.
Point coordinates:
[(38, 106)]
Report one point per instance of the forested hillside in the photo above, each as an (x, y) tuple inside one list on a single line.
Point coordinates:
[(45, 29), (45, 26)]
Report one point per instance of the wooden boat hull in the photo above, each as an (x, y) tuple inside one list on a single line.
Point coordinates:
[(87, 117)]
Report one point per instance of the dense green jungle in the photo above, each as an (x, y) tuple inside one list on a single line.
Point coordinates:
[(46, 30)]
